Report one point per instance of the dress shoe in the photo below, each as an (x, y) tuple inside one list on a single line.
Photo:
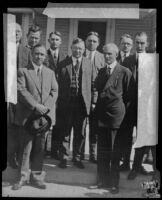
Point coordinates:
[(93, 160), (38, 184), (124, 167), (100, 185), (63, 163), (55, 156), (143, 171), (19, 185), (114, 190), (79, 164), (132, 174)]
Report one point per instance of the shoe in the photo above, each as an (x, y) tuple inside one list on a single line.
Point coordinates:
[(124, 167), (63, 163), (132, 174), (99, 186), (143, 171), (55, 156), (19, 185), (79, 164), (38, 184), (114, 190), (93, 160)]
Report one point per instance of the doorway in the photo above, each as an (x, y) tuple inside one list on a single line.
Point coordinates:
[(84, 27)]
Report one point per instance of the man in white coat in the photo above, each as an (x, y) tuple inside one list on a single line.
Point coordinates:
[(147, 105)]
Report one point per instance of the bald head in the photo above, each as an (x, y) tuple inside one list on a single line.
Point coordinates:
[(110, 52), (18, 32)]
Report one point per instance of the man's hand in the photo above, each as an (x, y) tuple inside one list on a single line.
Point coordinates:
[(41, 109), (93, 106)]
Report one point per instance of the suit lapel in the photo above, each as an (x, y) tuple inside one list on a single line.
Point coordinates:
[(113, 77), (69, 67), (34, 78), (44, 81)]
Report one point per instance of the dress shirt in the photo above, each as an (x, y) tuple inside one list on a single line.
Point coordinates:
[(93, 54), (54, 52), (75, 60), (36, 67), (112, 66), (124, 55)]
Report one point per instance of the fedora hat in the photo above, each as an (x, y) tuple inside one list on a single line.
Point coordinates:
[(38, 124)]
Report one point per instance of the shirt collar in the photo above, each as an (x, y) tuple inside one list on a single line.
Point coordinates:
[(122, 54), (112, 66), (75, 60), (29, 47), (36, 67), (54, 52)]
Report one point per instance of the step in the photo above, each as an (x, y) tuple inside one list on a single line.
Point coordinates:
[(75, 176)]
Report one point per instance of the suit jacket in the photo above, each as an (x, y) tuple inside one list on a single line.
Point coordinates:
[(31, 93), (23, 56), (51, 64), (87, 86), (98, 62), (114, 95)]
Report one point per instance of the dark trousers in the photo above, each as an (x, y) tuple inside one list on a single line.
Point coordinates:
[(55, 141), (31, 152), (108, 156), (13, 143), (127, 137), (138, 156), (76, 118)]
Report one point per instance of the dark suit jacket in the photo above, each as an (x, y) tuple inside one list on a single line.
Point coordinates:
[(87, 88), (51, 64), (130, 118), (99, 61), (114, 94), (30, 93), (23, 56)]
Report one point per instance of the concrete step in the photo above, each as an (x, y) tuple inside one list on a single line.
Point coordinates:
[(74, 176)]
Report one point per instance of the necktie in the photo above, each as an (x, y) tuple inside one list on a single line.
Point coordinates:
[(124, 56), (90, 55), (39, 76), (55, 57), (77, 66), (108, 71)]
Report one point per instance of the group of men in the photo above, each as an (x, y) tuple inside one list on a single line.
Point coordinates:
[(86, 87)]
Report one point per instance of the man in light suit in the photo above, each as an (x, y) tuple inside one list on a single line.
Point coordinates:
[(23, 57), (114, 94), (76, 92), (55, 56), (37, 92), (97, 60)]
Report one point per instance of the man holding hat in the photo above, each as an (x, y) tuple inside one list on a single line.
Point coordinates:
[(35, 113)]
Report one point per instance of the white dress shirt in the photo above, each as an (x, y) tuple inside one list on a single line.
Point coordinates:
[(112, 66)]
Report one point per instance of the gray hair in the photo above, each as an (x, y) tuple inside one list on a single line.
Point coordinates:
[(113, 46)]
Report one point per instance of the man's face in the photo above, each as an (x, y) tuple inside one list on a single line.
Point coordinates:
[(18, 33), (78, 49), (39, 55), (33, 38), (92, 42), (126, 45), (141, 43), (109, 55), (54, 41)]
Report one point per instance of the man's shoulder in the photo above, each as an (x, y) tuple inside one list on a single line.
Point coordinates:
[(99, 54)]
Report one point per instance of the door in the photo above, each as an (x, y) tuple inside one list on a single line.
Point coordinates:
[(84, 27)]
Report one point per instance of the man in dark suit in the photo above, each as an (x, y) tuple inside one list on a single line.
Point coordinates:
[(23, 57), (97, 60), (55, 56), (114, 94), (126, 59), (76, 81), (37, 93)]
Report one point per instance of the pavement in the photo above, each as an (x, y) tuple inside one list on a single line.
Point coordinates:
[(73, 182)]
